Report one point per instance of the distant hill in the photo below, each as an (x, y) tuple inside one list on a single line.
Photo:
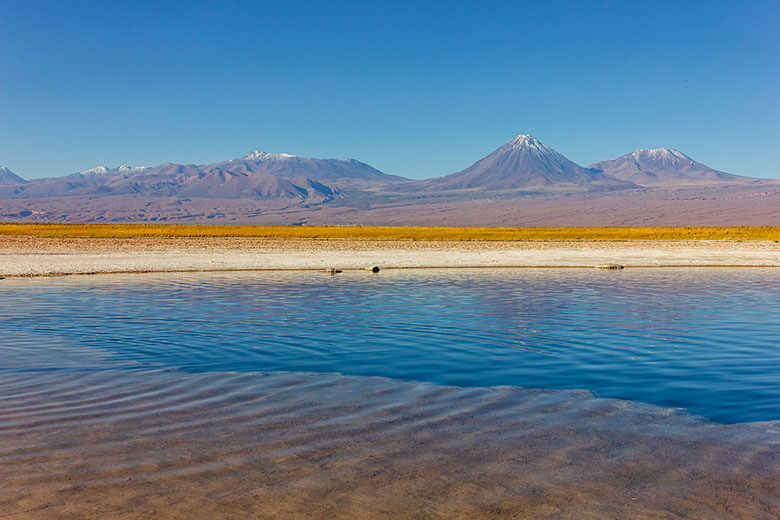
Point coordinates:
[(522, 183), (664, 167), (525, 163), (9, 177), (334, 172), (256, 175)]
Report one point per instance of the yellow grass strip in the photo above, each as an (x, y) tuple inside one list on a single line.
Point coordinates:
[(388, 233)]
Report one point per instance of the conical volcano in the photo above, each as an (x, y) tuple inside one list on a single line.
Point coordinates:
[(526, 163)]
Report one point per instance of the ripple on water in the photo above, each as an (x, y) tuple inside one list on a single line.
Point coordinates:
[(297, 445), (704, 340), (183, 396)]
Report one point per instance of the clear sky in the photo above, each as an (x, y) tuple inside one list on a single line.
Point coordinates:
[(419, 88)]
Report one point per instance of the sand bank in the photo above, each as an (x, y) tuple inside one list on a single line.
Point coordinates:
[(24, 256)]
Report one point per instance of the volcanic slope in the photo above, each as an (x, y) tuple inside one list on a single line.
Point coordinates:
[(664, 167), (9, 177), (525, 163)]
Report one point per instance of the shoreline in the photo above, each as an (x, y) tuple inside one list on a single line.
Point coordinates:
[(36, 256), (356, 269)]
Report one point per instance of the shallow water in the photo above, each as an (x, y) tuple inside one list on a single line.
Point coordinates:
[(303, 395), (702, 340)]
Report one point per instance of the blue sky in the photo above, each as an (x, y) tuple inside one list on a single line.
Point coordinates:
[(418, 89)]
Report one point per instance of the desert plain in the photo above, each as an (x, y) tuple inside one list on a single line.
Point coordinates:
[(22, 255)]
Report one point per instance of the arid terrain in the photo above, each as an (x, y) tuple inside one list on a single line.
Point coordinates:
[(29, 256), (753, 205)]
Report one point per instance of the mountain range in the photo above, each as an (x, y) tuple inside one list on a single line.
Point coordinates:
[(257, 175), (521, 169)]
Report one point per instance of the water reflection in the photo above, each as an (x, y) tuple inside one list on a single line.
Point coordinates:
[(704, 340)]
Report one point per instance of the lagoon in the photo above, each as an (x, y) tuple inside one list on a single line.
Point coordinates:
[(703, 340), (455, 393)]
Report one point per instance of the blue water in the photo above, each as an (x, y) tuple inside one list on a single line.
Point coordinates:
[(705, 340)]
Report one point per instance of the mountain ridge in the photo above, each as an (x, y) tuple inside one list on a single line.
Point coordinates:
[(663, 166), (256, 175)]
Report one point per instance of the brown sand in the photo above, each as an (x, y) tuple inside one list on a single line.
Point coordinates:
[(168, 445), (24, 256)]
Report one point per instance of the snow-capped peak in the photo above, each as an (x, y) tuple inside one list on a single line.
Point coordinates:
[(129, 169), (105, 170), (659, 153), (666, 156), (97, 170), (525, 141), (253, 156), (528, 144), (257, 155)]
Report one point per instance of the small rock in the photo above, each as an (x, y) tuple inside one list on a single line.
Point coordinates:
[(332, 271), (373, 268), (608, 266)]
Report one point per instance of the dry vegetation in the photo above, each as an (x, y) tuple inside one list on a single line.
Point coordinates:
[(390, 233)]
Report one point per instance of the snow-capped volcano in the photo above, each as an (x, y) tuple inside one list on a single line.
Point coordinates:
[(525, 163), (663, 166), (9, 177), (528, 142)]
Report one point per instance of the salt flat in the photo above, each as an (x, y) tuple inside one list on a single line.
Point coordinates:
[(26, 256)]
